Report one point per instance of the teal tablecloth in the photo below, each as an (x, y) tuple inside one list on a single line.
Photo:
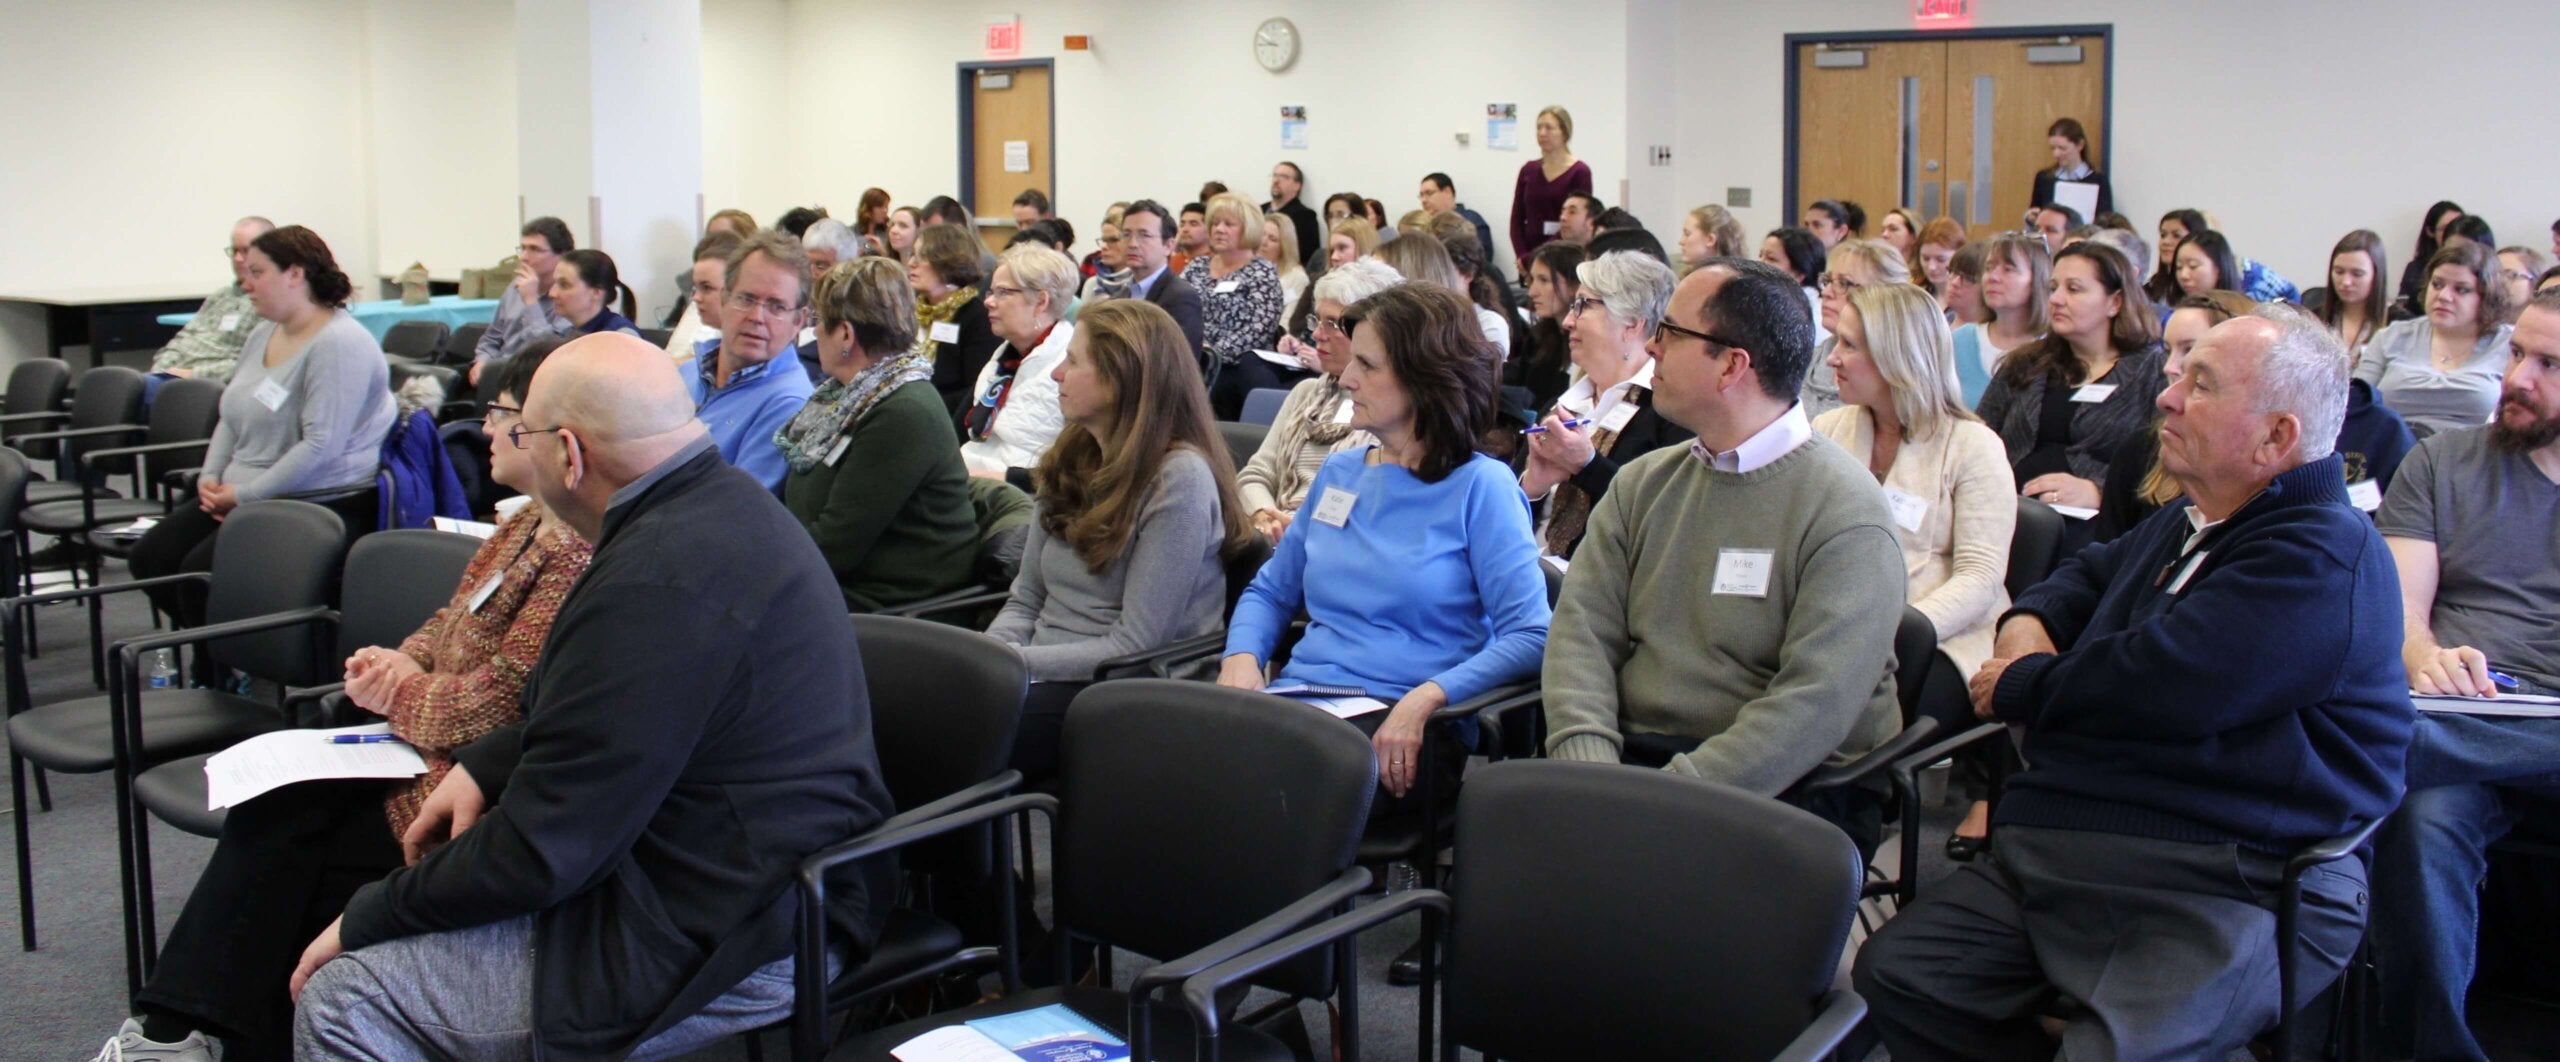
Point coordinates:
[(378, 317)]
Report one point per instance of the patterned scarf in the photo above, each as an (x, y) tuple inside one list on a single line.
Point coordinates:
[(839, 404), (940, 311), (1324, 426), (1112, 284)]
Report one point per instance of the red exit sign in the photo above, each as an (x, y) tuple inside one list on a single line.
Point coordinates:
[(1930, 14), (1004, 39)]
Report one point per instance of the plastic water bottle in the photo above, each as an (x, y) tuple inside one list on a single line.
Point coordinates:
[(163, 670)]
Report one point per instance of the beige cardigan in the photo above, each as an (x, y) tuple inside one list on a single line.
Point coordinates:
[(1278, 474), (1958, 560)]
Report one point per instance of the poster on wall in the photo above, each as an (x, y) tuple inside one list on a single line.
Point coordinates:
[(1502, 126), (1017, 156), (1293, 128)]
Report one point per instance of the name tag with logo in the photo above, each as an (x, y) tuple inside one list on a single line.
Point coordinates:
[(271, 395), (1342, 413), (1618, 416), (1910, 511), (230, 321), (2186, 573), (2093, 392), (945, 332), (1228, 287), (1334, 509), (2365, 494), (1552, 227), (837, 451), (1744, 572)]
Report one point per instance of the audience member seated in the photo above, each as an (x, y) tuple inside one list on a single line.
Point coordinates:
[(1577, 223), (287, 860), (1546, 184), (2355, 305), (1137, 515), (1016, 413), (1191, 238), (2069, 142), (1423, 258), (951, 312), (1492, 298), (1031, 207), (524, 310), (208, 345), (1439, 195), (1900, 231), (2063, 405), (1834, 220), (2521, 265), (1614, 219), (305, 413), (1415, 568), (1280, 248), (1607, 418), (901, 233), (875, 471), (1154, 276), (1940, 240), (2013, 286), (1106, 270), (826, 242), (1707, 232), (2135, 485), (2054, 225), (1545, 368), (1314, 422), (697, 328), (1803, 257), (2205, 263), (737, 225), (2471, 527), (582, 290), (2443, 371), (1240, 304), (601, 879), (1730, 614), (1352, 239), (1288, 190), (795, 222), (1854, 264), (2181, 747), (745, 388)]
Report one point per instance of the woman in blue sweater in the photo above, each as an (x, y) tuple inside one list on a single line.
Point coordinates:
[(1413, 559)]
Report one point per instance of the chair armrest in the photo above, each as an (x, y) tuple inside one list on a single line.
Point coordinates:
[(327, 492), (1949, 746), (80, 433), (1496, 700), (182, 479), (1200, 990), (17, 604), (2331, 850), (1325, 900), (1841, 1011), (1161, 661), (30, 418), (90, 456), (953, 601), (131, 649), (331, 707), (1876, 761), (995, 788)]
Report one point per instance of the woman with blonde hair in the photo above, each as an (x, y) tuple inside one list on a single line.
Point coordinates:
[(1707, 232), (1136, 518), (1280, 248), (1853, 265), (1423, 258), (1240, 303), (1352, 239)]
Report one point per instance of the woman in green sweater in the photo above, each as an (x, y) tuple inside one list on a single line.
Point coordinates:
[(875, 470)]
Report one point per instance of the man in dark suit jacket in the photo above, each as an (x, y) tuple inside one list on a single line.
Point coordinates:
[(1149, 228), (614, 872)]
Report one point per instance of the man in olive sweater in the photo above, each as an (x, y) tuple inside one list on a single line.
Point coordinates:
[(1730, 614), (2200, 698)]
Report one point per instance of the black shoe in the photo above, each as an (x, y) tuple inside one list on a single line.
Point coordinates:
[(1406, 970), (57, 555), (1962, 849)]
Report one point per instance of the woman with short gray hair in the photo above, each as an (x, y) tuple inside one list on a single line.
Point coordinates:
[(1314, 422), (1606, 418)]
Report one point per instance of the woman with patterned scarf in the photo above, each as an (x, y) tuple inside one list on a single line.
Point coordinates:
[(875, 468), (1314, 422), (951, 313)]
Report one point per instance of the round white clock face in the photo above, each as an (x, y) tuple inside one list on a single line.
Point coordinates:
[(1275, 44)]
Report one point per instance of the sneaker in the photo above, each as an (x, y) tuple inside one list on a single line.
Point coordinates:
[(129, 1045)]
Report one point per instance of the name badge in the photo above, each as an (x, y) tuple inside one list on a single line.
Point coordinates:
[(230, 321), (807, 336), (945, 332), (1334, 509), (1744, 572), (1553, 227), (2093, 392), (1617, 417), (1909, 510), (488, 589), (2365, 494), (1228, 287), (1342, 413), (271, 394), (2180, 583), (837, 451)]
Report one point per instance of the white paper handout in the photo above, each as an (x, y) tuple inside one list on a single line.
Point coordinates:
[(2081, 196), (2511, 705), (282, 758), (1342, 702)]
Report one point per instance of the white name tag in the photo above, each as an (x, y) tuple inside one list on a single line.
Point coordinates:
[(807, 336), (1619, 415), (1228, 287), (1744, 572), (1909, 510), (2185, 573), (946, 332), (271, 394), (1552, 227), (230, 321), (1334, 509), (2093, 392), (481, 596), (1342, 414), (837, 451), (2365, 494)]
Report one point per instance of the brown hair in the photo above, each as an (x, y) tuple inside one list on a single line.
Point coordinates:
[(782, 250), (2479, 259), (2377, 296), (2135, 326), (2069, 129), (1942, 231), (746, 222), (872, 199), (952, 252), (1419, 257), (294, 246), (1437, 352), (871, 294), (1092, 487), (718, 245)]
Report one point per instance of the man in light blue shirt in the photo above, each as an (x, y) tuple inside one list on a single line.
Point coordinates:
[(744, 389)]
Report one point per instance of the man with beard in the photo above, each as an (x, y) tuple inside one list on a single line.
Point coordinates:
[(2471, 522)]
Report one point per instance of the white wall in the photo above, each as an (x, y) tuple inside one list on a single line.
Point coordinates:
[(2292, 121), (746, 125), (442, 125)]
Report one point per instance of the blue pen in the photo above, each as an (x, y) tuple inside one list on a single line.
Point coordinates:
[(1539, 428), (2505, 680), (362, 739)]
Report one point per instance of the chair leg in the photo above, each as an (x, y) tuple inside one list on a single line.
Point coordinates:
[(44, 790), (124, 852), (26, 863), (97, 642), (27, 585), (146, 906)]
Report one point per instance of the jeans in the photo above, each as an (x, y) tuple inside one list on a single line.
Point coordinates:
[(2471, 780)]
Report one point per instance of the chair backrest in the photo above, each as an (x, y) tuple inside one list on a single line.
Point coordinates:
[(14, 475), (107, 395), (1243, 440), (1614, 913), (2033, 548), (464, 342), (657, 337), (1915, 645), (1241, 569), (415, 339), (185, 410), (36, 385), (396, 580), (276, 556), (1190, 811), (1262, 405), (944, 704)]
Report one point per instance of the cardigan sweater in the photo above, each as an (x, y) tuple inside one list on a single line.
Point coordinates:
[(891, 511), (1954, 520), (2097, 428)]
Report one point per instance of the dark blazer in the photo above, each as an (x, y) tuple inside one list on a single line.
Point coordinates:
[(1180, 299), (696, 725), (1645, 433), (956, 365)]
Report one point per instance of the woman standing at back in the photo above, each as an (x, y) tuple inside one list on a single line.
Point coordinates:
[(1537, 198), (2071, 162)]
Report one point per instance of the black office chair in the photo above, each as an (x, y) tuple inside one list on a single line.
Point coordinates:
[(1243, 440), (36, 388), (415, 341), (462, 345), (107, 406), (273, 568), (14, 477), (1588, 926), (1199, 823), (2292, 997), (657, 337)]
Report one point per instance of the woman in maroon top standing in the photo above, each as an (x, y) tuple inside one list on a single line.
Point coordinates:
[(1537, 201)]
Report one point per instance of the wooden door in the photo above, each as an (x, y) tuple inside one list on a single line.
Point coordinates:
[(1871, 124), (1008, 107), (2002, 96)]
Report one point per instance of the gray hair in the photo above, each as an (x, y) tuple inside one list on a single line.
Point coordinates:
[(2135, 252), (2304, 372), (1355, 280), (1634, 286), (835, 236)]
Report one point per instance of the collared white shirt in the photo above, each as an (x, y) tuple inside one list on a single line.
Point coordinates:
[(2195, 519), (1146, 285), (1578, 401), (2078, 172), (1777, 440)]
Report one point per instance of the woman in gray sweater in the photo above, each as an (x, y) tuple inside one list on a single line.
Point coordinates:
[(1137, 517), (306, 411)]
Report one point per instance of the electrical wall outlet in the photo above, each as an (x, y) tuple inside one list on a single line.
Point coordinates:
[(1661, 154)]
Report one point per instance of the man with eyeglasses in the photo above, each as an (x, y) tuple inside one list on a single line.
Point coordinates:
[(209, 344), (525, 312), (1150, 230), (1730, 612), (747, 387)]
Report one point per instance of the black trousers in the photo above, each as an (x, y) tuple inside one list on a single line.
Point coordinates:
[(1044, 723), (285, 867)]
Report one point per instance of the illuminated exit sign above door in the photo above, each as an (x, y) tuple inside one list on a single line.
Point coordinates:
[(1940, 14)]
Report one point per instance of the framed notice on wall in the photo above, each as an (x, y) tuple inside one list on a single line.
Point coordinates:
[(1502, 126)]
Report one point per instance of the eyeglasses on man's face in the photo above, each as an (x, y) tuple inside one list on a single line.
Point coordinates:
[(772, 309), (517, 433), (1664, 330)]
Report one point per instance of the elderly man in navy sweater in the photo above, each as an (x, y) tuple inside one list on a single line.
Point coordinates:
[(2199, 698)]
